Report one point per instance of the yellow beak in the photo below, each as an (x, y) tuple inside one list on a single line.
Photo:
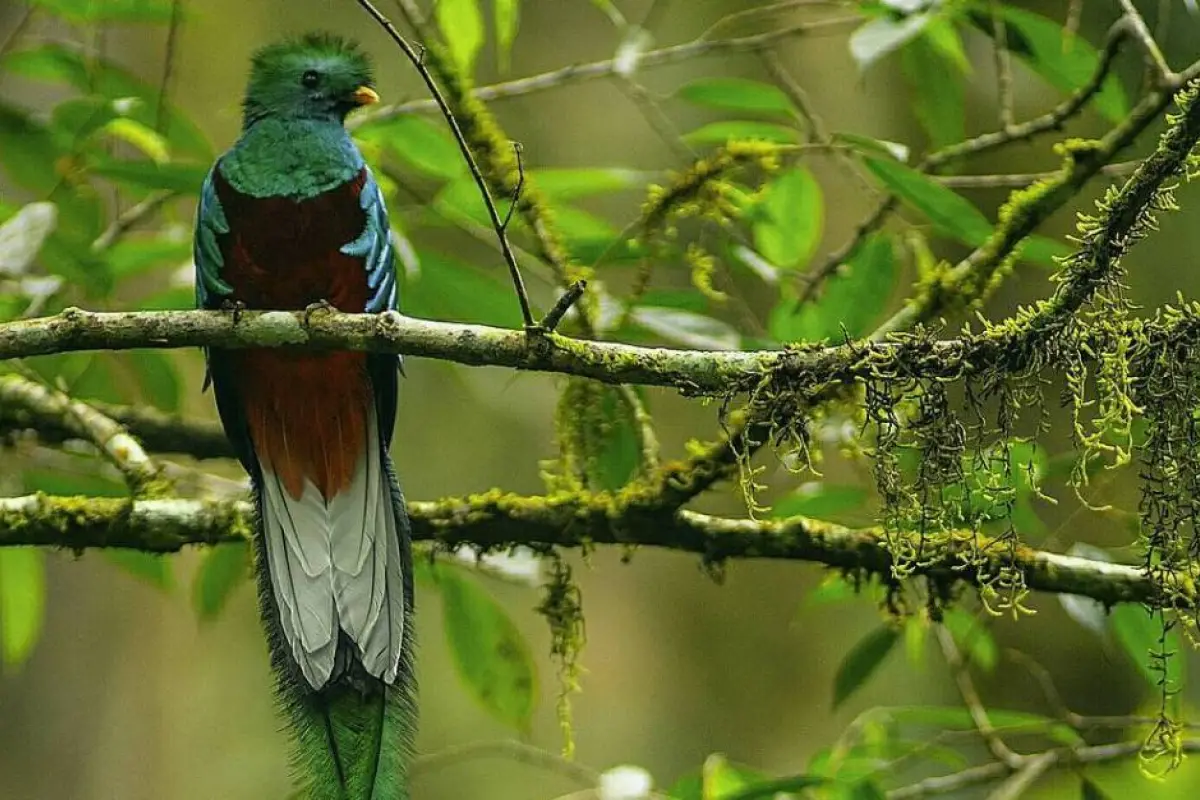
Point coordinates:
[(365, 96)]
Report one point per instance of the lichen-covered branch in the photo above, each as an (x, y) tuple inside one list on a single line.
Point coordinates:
[(498, 520)]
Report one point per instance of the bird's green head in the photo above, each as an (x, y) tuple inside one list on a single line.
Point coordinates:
[(317, 76)]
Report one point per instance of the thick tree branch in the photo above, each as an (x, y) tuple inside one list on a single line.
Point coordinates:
[(498, 520)]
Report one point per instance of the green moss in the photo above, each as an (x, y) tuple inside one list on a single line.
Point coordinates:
[(562, 606)]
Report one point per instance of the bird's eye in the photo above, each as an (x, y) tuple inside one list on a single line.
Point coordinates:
[(310, 78)]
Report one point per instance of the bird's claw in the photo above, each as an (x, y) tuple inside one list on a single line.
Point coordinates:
[(320, 305), (236, 307)]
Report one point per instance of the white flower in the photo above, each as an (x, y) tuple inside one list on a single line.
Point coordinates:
[(626, 782)]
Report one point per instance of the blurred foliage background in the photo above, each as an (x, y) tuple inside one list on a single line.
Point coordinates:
[(115, 686)]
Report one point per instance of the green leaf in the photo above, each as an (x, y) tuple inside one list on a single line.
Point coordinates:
[(74, 475), (90, 12), (135, 98), (157, 378), (559, 185), (1140, 635), (687, 328), (853, 298), (721, 133), (871, 146), (950, 213), (22, 602), (490, 655), (28, 152), (224, 569), (720, 780), (820, 501), (972, 637), (76, 120), (462, 28), (862, 661), (1066, 63), (916, 633), (452, 290), (790, 219), (132, 256), (460, 201), (883, 35), (177, 298), (174, 177), (1090, 791), (507, 17), (958, 718), (738, 95), (936, 90), (153, 568), (422, 144), (603, 436), (769, 789), (147, 140), (833, 588)]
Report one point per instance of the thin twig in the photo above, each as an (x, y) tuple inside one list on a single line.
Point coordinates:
[(18, 29), (1162, 70), (129, 218), (506, 749), (1016, 180), (465, 149), (608, 68), (974, 776), (569, 298), (516, 192), (164, 86), (971, 699), (1003, 63), (1052, 120)]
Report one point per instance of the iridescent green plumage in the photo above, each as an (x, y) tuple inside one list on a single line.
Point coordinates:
[(290, 216)]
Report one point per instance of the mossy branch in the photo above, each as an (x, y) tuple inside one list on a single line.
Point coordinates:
[(497, 520)]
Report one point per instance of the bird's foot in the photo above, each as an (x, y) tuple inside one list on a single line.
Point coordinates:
[(320, 305), (236, 307)]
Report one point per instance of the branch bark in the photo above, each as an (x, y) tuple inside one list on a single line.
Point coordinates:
[(497, 520)]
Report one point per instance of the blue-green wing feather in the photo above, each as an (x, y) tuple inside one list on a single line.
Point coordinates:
[(206, 250)]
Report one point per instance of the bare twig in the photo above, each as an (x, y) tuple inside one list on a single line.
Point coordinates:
[(569, 298), (465, 149), (129, 218), (1052, 120), (1162, 70), (966, 688), (1003, 62), (510, 750), (675, 54), (1017, 180), (986, 773), (164, 86), (18, 29)]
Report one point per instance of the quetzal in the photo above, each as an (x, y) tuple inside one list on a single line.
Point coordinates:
[(289, 218)]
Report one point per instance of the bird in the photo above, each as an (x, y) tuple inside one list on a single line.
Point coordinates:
[(292, 218)]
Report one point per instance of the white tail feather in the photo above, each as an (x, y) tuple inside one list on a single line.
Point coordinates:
[(337, 565)]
